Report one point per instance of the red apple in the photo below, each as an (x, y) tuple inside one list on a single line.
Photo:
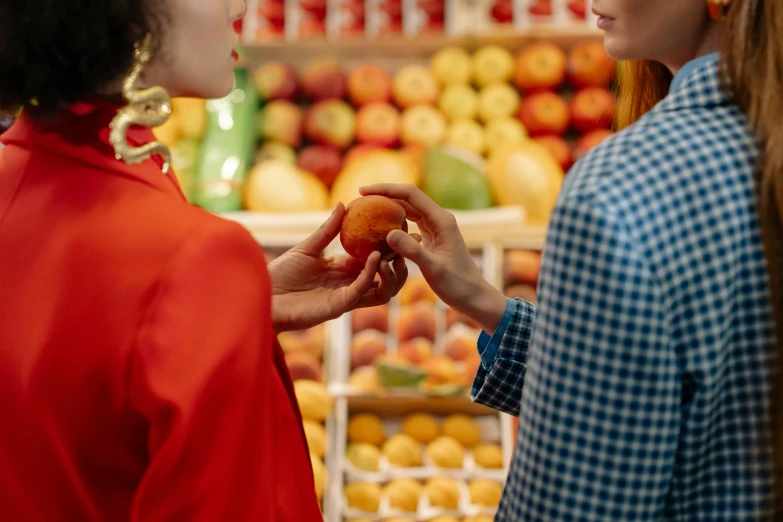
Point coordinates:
[(275, 81), (323, 79), (378, 124), (502, 11), (592, 108), (317, 8), (369, 83), (331, 122), (323, 161), (559, 149), (590, 66), (544, 113), (540, 67), (588, 141)]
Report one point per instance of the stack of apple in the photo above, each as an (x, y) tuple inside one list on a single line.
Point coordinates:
[(304, 351), (324, 119), (414, 331)]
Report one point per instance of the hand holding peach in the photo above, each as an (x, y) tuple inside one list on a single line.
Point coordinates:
[(443, 256), (308, 289)]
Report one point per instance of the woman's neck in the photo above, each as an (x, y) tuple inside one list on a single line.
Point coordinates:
[(709, 43)]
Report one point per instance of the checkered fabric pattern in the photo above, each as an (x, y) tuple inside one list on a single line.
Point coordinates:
[(642, 379)]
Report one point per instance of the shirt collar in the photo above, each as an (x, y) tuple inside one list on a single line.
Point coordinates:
[(689, 68), (80, 133)]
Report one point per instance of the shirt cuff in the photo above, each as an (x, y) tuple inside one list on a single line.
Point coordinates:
[(488, 346)]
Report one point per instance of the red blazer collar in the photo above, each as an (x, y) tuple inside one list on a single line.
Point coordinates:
[(81, 133)]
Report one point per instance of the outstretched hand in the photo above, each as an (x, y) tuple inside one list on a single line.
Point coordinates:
[(442, 256), (308, 289)]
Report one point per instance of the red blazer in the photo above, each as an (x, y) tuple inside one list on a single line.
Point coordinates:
[(140, 377)]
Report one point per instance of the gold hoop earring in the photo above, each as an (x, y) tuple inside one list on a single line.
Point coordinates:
[(717, 9), (148, 107)]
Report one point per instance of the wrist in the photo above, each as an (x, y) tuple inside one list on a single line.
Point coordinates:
[(486, 305)]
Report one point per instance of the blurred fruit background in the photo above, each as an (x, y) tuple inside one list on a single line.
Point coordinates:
[(474, 126)]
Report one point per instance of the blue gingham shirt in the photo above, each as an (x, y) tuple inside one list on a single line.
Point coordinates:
[(642, 379)]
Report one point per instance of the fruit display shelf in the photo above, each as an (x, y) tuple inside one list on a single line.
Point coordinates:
[(478, 226)]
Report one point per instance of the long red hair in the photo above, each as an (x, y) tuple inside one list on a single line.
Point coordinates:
[(752, 64)]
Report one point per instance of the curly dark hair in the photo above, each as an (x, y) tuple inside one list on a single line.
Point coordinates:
[(60, 52)]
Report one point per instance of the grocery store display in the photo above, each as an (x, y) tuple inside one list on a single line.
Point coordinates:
[(419, 471), (315, 405)]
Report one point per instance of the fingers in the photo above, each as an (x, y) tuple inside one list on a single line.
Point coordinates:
[(419, 202), (400, 272), (365, 283), (321, 238), (409, 247), (388, 285)]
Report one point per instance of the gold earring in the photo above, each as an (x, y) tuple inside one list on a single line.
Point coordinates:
[(717, 9), (148, 107)]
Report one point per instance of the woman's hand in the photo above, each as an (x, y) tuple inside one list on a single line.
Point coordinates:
[(308, 289), (443, 256)]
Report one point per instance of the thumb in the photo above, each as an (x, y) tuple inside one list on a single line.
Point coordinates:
[(408, 247), (321, 238)]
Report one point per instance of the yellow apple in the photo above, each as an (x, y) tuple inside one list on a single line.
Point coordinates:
[(277, 186), (423, 125), (192, 114), (468, 135), (504, 131), (526, 175), (375, 166), (413, 85), (492, 64), (458, 102), (452, 66), (499, 100)]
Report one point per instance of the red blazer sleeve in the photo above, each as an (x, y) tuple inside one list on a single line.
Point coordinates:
[(225, 438)]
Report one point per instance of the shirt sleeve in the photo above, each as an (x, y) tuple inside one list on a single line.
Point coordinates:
[(500, 376), (600, 410), (225, 440)]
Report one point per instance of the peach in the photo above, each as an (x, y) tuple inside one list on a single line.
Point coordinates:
[(416, 289), (304, 366), (440, 370), (460, 344), (417, 320), (374, 318), (522, 266), (526, 292), (308, 341), (366, 348), (416, 351), (367, 222), (365, 380), (454, 317), (369, 83), (470, 367)]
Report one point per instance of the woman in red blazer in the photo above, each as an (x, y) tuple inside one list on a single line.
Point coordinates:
[(140, 376)]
